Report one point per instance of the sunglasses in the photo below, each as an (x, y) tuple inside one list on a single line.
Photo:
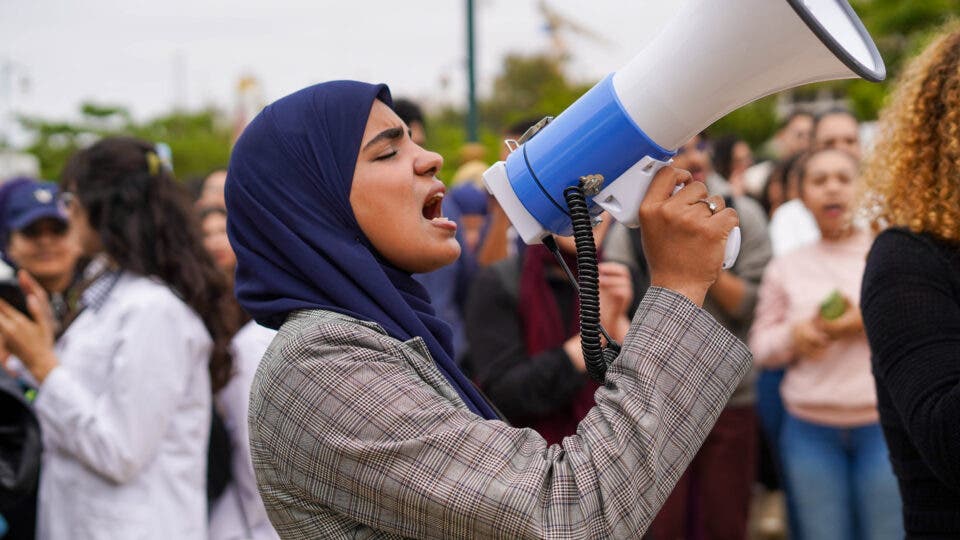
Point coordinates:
[(42, 227)]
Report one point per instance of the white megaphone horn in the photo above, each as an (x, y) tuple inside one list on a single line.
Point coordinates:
[(712, 57)]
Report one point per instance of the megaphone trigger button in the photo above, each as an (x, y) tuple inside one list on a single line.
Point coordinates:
[(591, 184)]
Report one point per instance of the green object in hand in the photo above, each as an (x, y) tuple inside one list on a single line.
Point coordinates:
[(833, 306)]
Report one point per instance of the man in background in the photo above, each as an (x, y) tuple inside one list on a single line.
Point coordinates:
[(792, 225), (794, 136)]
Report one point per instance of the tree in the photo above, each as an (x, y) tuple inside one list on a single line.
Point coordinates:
[(754, 123), (900, 30), (529, 86), (200, 140)]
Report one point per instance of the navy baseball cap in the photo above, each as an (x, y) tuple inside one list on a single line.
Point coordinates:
[(25, 200)]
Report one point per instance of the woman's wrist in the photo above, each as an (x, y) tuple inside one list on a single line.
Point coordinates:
[(574, 350), (696, 293), (41, 366), (618, 330)]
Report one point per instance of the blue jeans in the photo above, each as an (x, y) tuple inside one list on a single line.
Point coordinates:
[(771, 413), (842, 481), (769, 405)]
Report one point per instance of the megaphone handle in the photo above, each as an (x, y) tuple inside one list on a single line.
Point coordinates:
[(732, 249)]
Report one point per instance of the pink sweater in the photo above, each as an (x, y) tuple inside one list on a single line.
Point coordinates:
[(837, 388)]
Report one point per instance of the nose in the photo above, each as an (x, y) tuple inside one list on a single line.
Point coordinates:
[(428, 163), (834, 184)]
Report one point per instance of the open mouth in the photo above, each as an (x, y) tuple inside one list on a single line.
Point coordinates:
[(834, 209), (433, 208)]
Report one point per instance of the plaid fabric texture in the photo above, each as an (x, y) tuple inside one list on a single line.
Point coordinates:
[(357, 435), (100, 279)]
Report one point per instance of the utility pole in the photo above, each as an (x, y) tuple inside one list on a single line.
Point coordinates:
[(471, 78)]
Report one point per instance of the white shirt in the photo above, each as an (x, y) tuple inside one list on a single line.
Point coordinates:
[(792, 226), (126, 421), (239, 512)]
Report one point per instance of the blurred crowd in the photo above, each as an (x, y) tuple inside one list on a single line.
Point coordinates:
[(138, 365)]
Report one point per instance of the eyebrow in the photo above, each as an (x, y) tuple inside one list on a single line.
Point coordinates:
[(387, 134)]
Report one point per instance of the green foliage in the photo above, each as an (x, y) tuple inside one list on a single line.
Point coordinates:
[(755, 123), (528, 87), (866, 98), (200, 140), (900, 30), (446, 136), (94, 110)]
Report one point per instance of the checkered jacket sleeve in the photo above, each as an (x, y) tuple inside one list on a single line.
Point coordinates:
[(356, 434)]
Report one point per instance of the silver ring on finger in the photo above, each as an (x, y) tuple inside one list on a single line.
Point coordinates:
[(714, 207)]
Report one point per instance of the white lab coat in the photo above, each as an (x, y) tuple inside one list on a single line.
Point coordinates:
[(239, 513), (126, 421)]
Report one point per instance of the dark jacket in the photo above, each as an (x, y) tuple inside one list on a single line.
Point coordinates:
[(20, 445)]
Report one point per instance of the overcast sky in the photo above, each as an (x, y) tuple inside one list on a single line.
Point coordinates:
[(152, 55)]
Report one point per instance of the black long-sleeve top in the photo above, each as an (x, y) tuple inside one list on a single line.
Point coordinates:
[(524, 388), (911, 310)]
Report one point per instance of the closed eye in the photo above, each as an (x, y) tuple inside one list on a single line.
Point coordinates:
[(386, 156)]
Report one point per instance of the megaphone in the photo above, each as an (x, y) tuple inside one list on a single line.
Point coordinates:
[(709, 59)]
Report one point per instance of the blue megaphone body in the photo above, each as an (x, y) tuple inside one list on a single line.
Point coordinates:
[(709, 59)]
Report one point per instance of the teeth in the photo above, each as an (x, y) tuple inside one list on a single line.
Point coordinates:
[(432, 206)]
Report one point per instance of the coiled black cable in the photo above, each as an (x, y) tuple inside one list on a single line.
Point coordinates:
[(596, 358)]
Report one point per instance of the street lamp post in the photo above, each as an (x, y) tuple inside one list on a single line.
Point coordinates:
[(471, 78)]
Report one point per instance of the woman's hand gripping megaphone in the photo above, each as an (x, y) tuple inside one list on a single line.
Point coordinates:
[(684, 240)]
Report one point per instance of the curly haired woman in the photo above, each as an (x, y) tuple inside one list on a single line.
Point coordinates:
[(911, 289)]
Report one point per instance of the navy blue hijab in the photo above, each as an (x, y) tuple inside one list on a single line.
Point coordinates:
[(297, 241)]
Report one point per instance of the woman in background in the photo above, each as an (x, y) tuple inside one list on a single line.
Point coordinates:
[(731, 159), (911, 289), (125, 393), (807, 319), (238, 512), (35, 236)]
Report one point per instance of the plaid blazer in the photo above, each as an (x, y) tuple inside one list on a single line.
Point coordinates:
[(355, 434)]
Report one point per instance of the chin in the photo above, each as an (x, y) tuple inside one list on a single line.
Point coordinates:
[(444, 258), (46, 270), (435, 257)]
